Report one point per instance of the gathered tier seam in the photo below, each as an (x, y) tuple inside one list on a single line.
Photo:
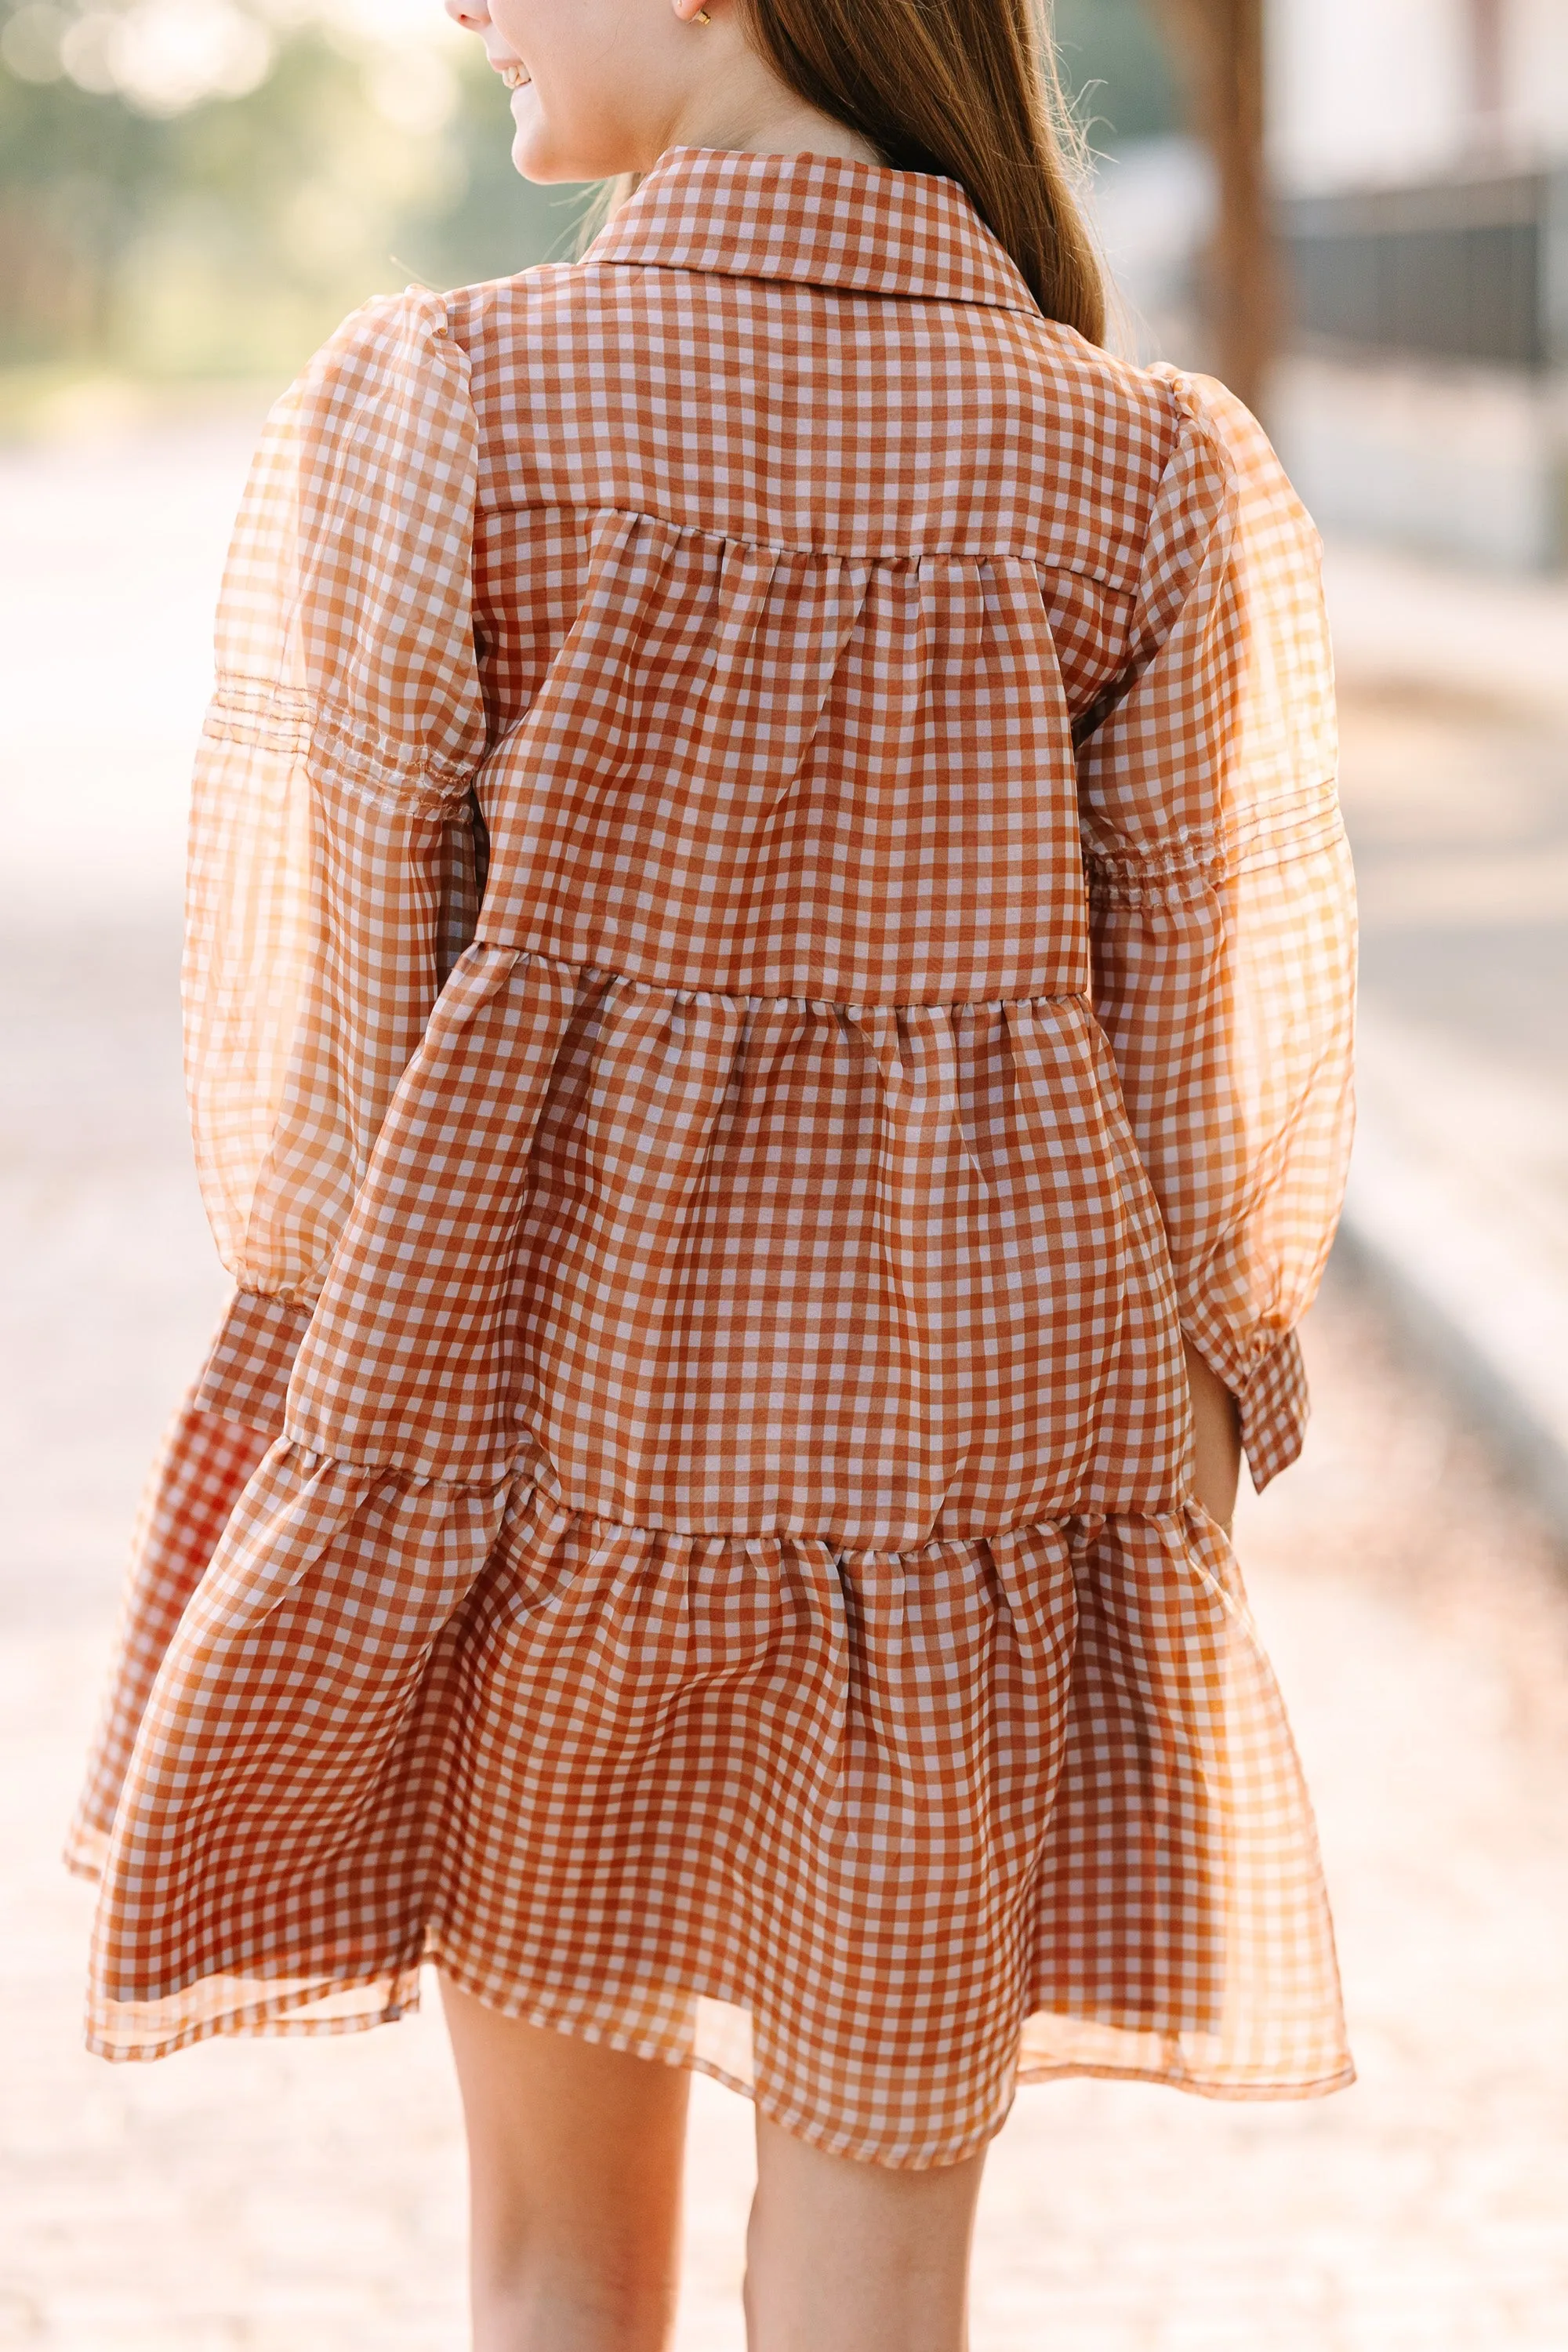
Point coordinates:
[(852, 1006), (522, 1487)]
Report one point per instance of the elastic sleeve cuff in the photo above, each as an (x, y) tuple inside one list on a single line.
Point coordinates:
[(1274, 1406), (246, 1376)]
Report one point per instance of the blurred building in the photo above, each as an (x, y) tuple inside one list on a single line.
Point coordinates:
[(1421, 151)]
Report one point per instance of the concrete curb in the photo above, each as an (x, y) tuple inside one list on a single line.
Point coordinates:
[(1467, 1274)]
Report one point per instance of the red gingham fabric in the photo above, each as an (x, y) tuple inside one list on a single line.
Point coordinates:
[(768, 930)]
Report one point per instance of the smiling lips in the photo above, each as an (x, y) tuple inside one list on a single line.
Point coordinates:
[(515, 76)]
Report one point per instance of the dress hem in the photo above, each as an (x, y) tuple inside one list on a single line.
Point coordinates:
[(1048, 1637), (398, 1994)]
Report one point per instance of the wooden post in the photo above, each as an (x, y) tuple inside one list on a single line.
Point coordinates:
[(1219, 44)]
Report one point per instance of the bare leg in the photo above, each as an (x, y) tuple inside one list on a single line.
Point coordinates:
[(574, 2166), (845, 2257)]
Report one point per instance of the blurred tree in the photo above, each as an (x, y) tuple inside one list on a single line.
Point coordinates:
[(228, 232), (1116, 68)]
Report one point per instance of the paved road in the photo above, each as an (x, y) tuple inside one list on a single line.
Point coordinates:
[(306, 2198), (1454, 690)]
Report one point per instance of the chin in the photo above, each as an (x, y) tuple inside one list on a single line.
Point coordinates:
[(536, 150), (532, 158)]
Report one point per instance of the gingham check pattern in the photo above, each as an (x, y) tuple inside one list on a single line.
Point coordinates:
[(686, 1520)]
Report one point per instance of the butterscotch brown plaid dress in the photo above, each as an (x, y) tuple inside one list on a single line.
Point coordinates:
[(768, 929)]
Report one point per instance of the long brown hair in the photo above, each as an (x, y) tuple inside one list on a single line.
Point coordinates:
[(965, 88)]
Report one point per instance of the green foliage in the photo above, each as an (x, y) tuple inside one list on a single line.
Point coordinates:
[(231, 237), (1115, 64)]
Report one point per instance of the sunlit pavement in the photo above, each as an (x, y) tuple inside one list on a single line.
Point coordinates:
[(287, 2197)]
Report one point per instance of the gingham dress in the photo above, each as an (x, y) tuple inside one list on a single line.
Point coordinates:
[(768, 929)]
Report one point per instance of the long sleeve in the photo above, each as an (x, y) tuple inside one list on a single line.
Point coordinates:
[(1222, 905), (329, 836)]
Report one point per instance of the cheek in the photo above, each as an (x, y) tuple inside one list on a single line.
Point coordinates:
[(522, 24)]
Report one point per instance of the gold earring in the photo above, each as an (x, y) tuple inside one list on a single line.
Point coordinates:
[(702, 18)]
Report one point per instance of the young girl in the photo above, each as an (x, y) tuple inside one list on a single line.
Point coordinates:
[(768, 991)]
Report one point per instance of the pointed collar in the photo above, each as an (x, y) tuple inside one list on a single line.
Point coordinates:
[(820, 220)]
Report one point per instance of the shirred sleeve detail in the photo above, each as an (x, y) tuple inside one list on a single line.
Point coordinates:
[(331, 830), (1222, 905)]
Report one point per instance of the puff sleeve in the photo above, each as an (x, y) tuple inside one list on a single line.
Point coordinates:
[(331, 871), (1222, 908)]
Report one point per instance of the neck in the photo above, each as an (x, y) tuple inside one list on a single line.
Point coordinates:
[(741, 105)]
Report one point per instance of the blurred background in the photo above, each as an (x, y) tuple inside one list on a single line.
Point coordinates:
[(1357, 212), (1376, 227), (200, 189)]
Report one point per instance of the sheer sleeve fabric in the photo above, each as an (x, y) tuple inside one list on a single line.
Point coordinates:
[(330, 835), (1222, 905)]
